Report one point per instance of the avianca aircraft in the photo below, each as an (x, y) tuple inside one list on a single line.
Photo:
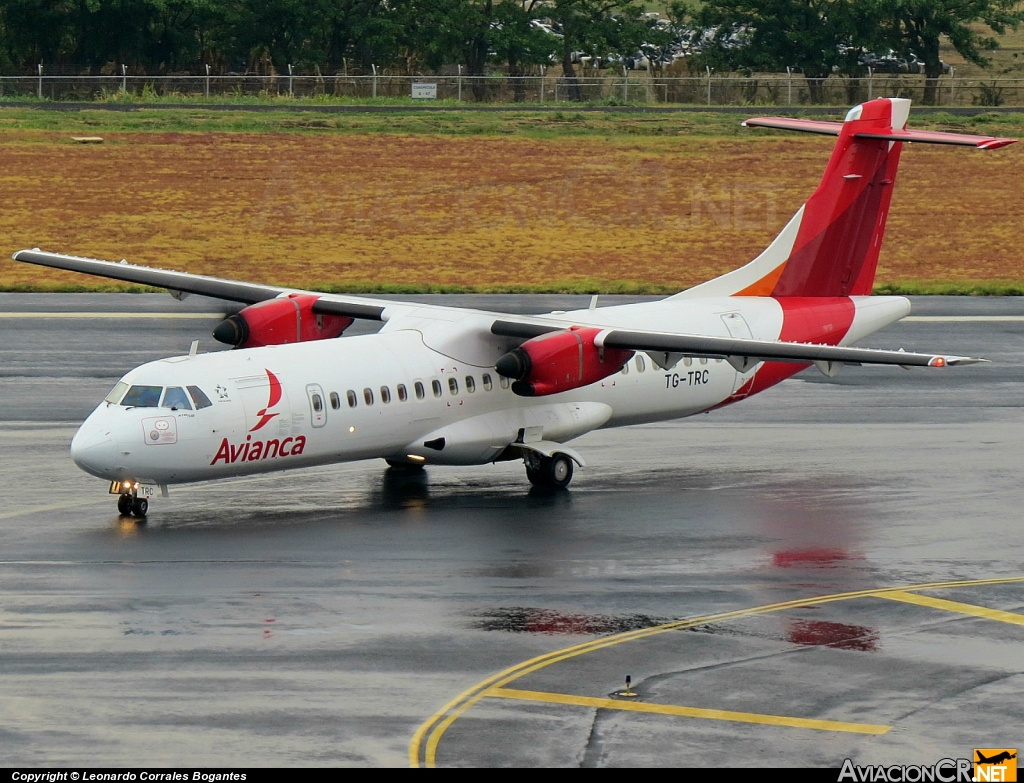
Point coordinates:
[(450, 386)]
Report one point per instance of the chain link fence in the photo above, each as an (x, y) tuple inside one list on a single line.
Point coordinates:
[(626, 88)]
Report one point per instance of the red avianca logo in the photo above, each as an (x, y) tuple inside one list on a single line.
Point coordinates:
[(275, 398), (257, 450)]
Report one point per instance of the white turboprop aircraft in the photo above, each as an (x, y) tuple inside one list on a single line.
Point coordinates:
[(450, 386)]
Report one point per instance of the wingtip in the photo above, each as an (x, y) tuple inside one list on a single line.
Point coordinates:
[(958, 360)]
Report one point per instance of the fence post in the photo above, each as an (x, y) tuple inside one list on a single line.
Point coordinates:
[(124, 79), (952, 71), (625, 85), (460, 83), (542, 84), (39, 90), (206, 86), (373, 94), (290, 91), (871, 83), (708, 68), (789, 86)]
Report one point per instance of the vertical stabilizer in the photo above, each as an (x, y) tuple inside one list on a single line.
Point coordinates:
[(831, 246)]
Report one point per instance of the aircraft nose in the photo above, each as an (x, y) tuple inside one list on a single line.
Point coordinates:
[(94, 450)]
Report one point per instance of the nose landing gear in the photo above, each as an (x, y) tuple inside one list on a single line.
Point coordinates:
[(129, 504)]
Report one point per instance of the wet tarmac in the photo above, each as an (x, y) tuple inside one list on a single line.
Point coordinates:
[(735, 565)]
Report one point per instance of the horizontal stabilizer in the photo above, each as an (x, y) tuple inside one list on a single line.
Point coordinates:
[(787, 123), (918, 136), (938, 137)]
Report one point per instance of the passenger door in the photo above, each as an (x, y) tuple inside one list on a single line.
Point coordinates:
[(317, 404)]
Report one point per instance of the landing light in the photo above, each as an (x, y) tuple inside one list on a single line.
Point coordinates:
[(416, 458), (351, 429)]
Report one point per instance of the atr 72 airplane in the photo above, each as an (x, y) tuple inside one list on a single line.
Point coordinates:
[(450, 386)]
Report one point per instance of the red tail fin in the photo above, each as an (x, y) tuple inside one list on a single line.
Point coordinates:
[(836, 249), (830, 247)]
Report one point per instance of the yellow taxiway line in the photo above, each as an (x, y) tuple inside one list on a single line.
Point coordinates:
[(183, 316), (685, 712), (955, 607), (435, 726)]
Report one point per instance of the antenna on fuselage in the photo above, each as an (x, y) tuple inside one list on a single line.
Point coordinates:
[(194, 348)]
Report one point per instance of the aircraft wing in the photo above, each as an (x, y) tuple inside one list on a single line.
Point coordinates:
[(216, 287), (741, 353)]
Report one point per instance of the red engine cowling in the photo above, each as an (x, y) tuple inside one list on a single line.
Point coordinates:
[(559, 361), (287, 319)]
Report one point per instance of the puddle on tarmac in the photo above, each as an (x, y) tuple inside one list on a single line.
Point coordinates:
[(812, 558), (521, 619), (821, 633)]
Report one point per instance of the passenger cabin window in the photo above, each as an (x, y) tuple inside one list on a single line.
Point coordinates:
[(318, 403), (503, 381), (385, 394), (687, 361), (352, 399), (640, 364), (453, 385), (470, 384), (368, 396), (420, 391), (176, 399), (403, 394), (435, 385), (142, 397), (703, 360), (625, 369), (487, 382), (335, 400), (200, 399), (116, 393)]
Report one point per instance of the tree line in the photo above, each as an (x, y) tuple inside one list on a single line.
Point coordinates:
[(813, 37)]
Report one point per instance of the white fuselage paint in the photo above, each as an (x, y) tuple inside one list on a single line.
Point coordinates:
[(429, 346)]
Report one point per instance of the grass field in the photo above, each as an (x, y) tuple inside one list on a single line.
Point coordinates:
[(461, 201)]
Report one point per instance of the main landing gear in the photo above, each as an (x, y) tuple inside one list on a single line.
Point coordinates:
[(554, 472)]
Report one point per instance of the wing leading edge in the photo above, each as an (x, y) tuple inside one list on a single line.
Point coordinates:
[(216, 287)]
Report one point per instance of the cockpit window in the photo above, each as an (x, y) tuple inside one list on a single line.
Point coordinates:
[(117, 393), (200, 399), (176, 399), (142, 397)]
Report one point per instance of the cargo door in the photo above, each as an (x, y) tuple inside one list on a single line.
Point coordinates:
[(739, 329)]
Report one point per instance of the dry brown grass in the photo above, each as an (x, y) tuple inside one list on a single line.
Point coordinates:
[(375, 211)]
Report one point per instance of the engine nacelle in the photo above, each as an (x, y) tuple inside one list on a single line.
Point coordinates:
[(287, 319), (559, 361)]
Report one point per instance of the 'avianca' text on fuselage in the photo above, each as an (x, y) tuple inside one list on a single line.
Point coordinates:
[(252, 451), (444, 385)]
